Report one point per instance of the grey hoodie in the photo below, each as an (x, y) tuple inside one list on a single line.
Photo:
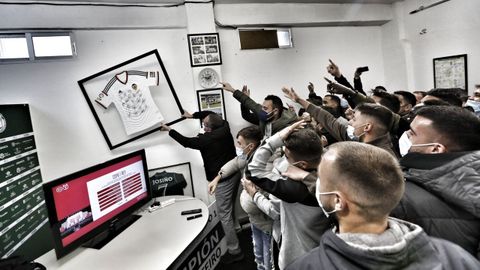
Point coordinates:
[(403, 245)]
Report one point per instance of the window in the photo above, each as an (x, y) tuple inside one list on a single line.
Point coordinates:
[(265, 38), (13, 47), (36, 46)]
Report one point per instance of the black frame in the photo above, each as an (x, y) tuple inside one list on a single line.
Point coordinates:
[(52, 214), (190, 50), (224, 112), (439, 60), (176, 165), (90, 104)]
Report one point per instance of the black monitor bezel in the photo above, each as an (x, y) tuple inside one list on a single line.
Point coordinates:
[(60, 250)]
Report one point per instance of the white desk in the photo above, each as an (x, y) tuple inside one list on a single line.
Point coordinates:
[(153, 242)]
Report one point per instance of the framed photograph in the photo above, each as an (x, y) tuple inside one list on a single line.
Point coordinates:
[(450, 72), (172, 180), (204, 49), (131, 100), (212, 100)]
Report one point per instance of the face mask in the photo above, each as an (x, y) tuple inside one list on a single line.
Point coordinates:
[(475, 105), (266, 117), (241, 151), (351, 133), (318, 194), (404, 144)]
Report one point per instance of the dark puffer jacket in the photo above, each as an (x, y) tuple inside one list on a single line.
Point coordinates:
[(442, 195)]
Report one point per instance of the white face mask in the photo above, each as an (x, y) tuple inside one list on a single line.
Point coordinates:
[(404, 144), (318, 194), (351, 133), (239, 151)]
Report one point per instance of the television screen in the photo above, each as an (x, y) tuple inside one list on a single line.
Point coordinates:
[(89, 202)]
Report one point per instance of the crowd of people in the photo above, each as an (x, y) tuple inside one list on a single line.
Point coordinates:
[(352, 180)]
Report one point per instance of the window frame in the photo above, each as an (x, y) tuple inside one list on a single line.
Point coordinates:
[(31, 49)]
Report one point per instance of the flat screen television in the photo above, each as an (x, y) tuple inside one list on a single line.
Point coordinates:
[(94, 205)]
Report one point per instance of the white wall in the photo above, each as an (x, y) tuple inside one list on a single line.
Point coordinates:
[(69, 139), (266, 71), (452, 28), (67, 136)]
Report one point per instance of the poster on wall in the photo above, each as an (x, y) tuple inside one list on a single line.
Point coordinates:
[(212, 100), (450, 72), (132, 99), (24, 226), (204, 49), (172, 180)]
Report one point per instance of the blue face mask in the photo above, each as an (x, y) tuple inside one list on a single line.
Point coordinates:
[(266, 117)]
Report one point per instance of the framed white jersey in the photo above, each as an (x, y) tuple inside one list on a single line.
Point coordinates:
[(132, 100), (129, 92)]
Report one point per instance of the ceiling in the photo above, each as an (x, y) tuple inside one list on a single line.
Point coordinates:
[(222, 1)]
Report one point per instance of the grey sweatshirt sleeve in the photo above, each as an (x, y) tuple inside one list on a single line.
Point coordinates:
[(234, 165), (258, 166), (264, 204), (335, 127)]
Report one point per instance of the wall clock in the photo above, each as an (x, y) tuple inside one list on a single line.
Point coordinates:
[(208, 78)]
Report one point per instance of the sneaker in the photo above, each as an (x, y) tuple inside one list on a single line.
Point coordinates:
[(229, 258)]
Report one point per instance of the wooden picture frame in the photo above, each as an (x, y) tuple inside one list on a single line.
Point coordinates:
[(450, 72), (204, 49), (168, 175), (154, 99)]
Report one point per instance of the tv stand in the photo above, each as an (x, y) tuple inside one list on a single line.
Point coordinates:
[(114, 230)]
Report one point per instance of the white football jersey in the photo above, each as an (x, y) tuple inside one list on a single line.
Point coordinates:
[(130, 93)]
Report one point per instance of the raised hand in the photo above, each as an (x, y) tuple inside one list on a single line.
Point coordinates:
[(245, 90), (333, 69), (227, 87), (290, 94), (311, 88), (290, 108), (337, 88), (284, 133)]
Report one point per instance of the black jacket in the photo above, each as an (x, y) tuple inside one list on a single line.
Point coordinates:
[(442, 195), (217, 147)]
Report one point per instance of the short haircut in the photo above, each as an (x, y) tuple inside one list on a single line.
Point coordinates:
[(422, 93), (451, 95), (409, 97), (305, 144), (334, 98), (460, 127), (370, 177), (435, 102), (277, 103), (381, 114), (388, 100), (252, 134), (380, 88), (215, 121)]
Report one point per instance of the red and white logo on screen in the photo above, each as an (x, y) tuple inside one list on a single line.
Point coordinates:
[(61, 188)]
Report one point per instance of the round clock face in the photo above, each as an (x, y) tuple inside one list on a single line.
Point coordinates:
[(208, 78)]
